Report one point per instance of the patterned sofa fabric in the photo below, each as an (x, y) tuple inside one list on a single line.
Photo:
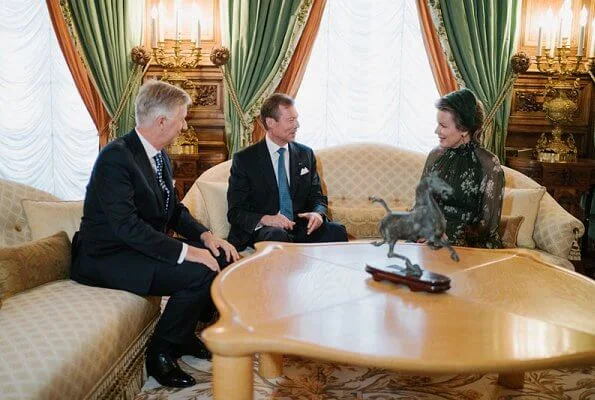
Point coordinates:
[(351, 173), (64, 340), (60, 340)]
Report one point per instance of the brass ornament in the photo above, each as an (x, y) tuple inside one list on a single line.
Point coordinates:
[(219, 56), (140, 55), (185, 143), (520, 62)]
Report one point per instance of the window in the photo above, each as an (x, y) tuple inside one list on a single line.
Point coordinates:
[(368, 78), (47, 138)]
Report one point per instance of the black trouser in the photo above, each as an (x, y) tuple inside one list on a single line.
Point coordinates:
[(189, 286), (327, 232)]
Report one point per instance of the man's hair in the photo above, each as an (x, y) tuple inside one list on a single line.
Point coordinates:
[(157, 98), (270, 107)]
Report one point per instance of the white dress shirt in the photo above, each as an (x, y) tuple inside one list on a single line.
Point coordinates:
[(152, 152)]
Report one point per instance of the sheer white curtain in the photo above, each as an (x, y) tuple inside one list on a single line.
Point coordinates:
[(47, 138), (368, 79)]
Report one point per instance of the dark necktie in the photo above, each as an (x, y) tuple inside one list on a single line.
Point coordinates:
[(159, 164), (285, 204)]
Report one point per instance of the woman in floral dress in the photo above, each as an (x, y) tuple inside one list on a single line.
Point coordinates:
[(473, 211)]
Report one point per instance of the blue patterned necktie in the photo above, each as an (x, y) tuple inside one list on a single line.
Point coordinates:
[(285, 204), (159, 164)]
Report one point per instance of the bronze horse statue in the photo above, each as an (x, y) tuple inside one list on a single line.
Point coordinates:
[(425, 221)]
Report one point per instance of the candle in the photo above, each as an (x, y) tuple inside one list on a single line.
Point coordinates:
[(549, 21), (197, 32), (539, 42), (196, 28), (161, 22), (581, 34), (592, 46), (178, 33), (559, 34), (566, 21), (154, 30)]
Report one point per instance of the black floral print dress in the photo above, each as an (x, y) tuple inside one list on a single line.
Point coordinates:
[(473, 211)]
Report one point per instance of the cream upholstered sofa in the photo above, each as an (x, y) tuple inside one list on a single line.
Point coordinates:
[(351, 173), (64, 340)]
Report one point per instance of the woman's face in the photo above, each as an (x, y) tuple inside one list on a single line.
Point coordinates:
[(448, 134)]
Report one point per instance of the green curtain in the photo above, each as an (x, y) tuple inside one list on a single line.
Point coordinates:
[(482, 38), (261, 37), (107, 30)]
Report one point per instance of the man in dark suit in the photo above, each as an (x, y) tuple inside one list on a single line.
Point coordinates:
[(274, 189), (122, 243)]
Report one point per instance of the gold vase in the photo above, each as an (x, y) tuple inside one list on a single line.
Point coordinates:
[(558, 108)]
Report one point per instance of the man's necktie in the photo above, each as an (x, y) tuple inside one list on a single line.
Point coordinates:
[(285, 204), (159, 164)]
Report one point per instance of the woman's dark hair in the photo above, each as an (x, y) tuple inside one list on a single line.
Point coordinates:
[(467, 111)]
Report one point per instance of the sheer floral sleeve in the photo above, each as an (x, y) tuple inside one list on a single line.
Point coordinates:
[(492, 189)]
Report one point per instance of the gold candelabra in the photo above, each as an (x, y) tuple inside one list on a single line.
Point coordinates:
[(560, 100), (183, 54)]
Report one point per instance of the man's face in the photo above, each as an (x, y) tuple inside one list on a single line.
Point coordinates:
[(172, 126), (284, 130)]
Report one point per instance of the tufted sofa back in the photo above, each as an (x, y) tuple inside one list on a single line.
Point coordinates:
[(14, 228)]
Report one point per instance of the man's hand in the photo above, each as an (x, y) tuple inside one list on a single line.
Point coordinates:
[(278, 221), (202, 256), (214, 243), (314, 221)]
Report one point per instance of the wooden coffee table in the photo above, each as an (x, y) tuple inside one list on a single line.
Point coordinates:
[(506, 312)]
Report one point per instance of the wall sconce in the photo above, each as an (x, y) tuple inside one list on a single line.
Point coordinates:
[(182, 53), (561, 96)]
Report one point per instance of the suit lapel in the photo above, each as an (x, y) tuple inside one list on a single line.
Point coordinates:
[(140, 156), (266, 167), (294, 169)]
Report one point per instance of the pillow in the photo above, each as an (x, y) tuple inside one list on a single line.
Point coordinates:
[(31, 264), (48, 217), (509, 230), (215, 195), (523, 202)]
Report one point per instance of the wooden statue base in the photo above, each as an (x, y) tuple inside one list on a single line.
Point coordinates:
[(427, 282)]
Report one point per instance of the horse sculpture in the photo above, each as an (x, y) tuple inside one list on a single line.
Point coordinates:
[(425, 221)]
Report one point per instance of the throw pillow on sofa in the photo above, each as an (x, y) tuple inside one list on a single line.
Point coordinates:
[(509, 230), (32, 264), (523, 202), (215, 196), (48, 217)]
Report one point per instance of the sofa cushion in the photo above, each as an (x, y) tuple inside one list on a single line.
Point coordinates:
[(13, 223), (215, 196), (28, 265), (523, 202), (48, 217), (509, 229), (361, 217), (58, 340)]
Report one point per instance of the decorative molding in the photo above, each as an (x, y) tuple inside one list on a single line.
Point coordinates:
[(527, 102), (205, 95)]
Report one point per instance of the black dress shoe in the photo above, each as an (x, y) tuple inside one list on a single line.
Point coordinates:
[(167, 371), (194, 348)]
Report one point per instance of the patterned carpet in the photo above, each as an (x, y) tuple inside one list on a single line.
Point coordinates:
[(315, 380)]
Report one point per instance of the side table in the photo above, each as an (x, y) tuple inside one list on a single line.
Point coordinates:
[(567, 182)]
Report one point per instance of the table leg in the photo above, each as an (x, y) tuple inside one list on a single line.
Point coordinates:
[(232, 378), (512, 381), (270, 365)]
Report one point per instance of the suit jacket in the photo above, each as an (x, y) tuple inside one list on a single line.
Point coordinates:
[(253, 190), (123, 230)]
